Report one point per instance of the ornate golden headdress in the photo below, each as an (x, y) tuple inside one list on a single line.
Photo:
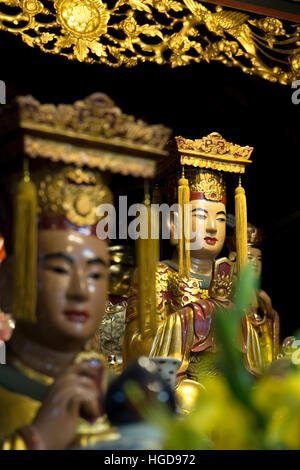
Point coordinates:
[(208, 157), (73, 193), (207, 183), (255, 236)]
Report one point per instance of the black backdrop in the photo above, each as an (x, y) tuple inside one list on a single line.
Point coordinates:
[(195, 101)]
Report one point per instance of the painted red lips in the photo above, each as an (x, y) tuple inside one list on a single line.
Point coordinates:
[(211, 240), (77, 316)]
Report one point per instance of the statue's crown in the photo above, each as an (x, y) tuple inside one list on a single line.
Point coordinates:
[(210, 183), (254, 238), (75, 193), (214, 152)]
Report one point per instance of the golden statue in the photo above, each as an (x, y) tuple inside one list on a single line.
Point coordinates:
[(111, 332), (193, 284), (261, 324), (61, 278), (52, 388)]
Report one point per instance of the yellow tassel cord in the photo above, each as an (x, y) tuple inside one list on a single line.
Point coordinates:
[(184, 258), (157, 199), (25, 250), (241, 227), (147, 259)]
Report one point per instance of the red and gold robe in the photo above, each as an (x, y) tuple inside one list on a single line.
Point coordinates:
[(185, 314)]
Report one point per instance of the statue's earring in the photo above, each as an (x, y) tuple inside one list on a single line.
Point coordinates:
[(232, 256)]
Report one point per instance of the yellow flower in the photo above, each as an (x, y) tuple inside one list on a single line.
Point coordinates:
[(278, 399), (219, 421), (220, 415)]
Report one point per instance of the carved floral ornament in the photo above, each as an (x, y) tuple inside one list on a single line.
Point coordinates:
[(117, 32), (95, 118), (74, 193)]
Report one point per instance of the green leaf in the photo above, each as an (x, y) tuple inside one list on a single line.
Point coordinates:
[(247, 286), (228, 330)]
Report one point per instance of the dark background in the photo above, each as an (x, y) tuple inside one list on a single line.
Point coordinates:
[(284, 9), (194, 101)]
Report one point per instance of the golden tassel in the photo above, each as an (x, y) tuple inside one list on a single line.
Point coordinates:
[(184, 258), (147, 259), (241, 227), (25, 250), (157, 199)]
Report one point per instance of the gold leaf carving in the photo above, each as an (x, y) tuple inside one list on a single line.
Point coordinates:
[(81, 50), (103, 122), (182, 32)]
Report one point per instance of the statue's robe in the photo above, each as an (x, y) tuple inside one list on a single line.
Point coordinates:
[(261, 330), (186, 311), (185, 317)]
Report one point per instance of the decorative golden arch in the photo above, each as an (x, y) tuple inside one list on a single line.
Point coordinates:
[(120, 32)]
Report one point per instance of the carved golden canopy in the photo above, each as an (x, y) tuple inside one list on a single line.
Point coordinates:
[(214, 152), (92, 132), (174, 32)]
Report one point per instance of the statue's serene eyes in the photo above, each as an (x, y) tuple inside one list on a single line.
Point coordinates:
[(200, 213), (96, 276), (221, 216), (201, 216), (57, 269)]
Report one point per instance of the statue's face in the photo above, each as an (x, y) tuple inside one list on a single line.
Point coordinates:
[(255, 258), (209, 224), (72, 284)]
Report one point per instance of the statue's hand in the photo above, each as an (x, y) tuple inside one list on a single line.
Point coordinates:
[(73, 391)]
